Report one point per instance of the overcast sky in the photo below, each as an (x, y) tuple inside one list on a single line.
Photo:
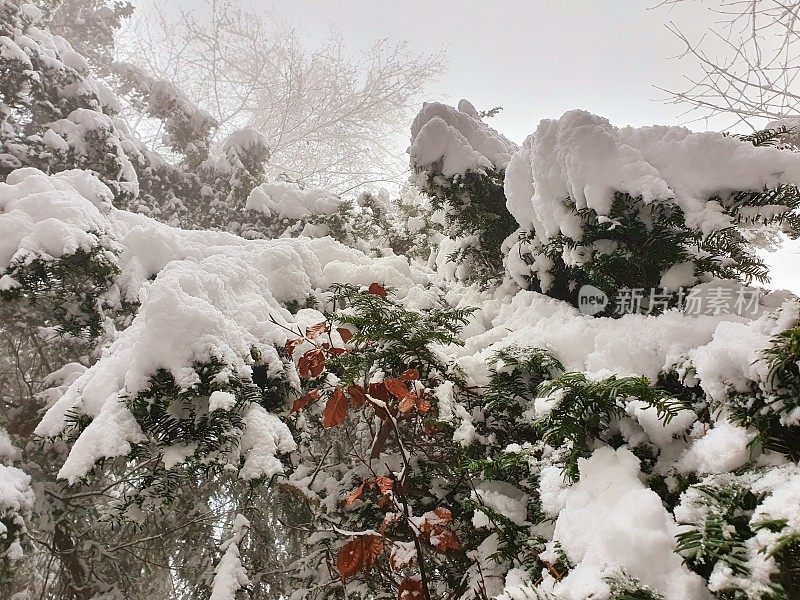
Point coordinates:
[(535, 58)]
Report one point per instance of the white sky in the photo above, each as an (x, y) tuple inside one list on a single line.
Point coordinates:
[(535, 58)]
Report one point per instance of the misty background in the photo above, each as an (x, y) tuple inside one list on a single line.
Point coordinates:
[(536, 59)]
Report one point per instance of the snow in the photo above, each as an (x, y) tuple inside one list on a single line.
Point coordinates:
[(580, 160), (504, 499), (214, 297), (110, 434), (611, 520), (230, 575), (678, 276), (9, 50), (245, 139), (629, 345), (552, 490), (732, 358), (221, 401), (207, 296), (45, 216), (8, 452), (660, 433), (458, 140), (288, 200), (265, 435), (16, 496), (724, 448)]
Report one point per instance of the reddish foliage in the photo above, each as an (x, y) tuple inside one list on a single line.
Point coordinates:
[(379, 391), (396, 387), (385, 484), (443, 514), (407, 404), (357, 396), (434, 526), (292, 344), (376, 289), (301, 402), (444, 539), (311, 363), (358, 554), (335, 411), (409, 375), (354, 495), (410, 589), (345, 334), (315, 330)]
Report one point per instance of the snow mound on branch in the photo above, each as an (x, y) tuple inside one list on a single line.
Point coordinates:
[(164, 97), (49, 216), (15, 491), (733, 359), (580, 160), (612, 521), (245, 139), (725, 447), (230, 574), (215, 297), (452, 141), (286, 200), (630, 345), (16, 502), (265, 435)]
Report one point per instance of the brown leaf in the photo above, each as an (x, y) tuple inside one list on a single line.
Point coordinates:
[(337, 351), (311, 363), (335, 411), (409, 375), (345, 334), (396, 387), (357, 396), (377, 289), (410, 589), (292, 344), (384, 484), (444, 539), (407, 404), (373, 546), (423, 406), (443, 514), (379, 391), (357, 554), (435, 518), (354, 495), (315, 330), (301, 402)]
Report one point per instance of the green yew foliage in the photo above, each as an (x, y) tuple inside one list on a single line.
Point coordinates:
[(583, 410), (771, 407), (71, 290), (643, 242), (475, 211), (638, 242)]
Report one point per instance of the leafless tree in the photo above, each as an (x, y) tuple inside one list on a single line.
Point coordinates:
[(331, 120), (747, 64)]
